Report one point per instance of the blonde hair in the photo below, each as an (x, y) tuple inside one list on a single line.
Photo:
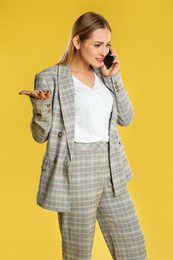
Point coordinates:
[(83, 27)]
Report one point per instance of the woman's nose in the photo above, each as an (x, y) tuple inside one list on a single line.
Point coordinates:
[(104, 51)]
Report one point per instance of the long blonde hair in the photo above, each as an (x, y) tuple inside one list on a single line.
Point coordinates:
[(83, 27)]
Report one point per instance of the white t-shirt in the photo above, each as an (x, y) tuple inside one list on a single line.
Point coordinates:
[(93, 108)]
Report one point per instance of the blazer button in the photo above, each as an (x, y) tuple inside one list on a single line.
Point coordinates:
[(115, 83), (117, 90), (116, 86), (49, 111), (119, 143), (59, 134), (48, 105)]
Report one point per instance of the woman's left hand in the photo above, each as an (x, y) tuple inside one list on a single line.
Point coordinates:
[(115, 66)]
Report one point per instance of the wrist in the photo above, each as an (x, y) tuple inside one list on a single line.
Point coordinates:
[(113, 75)]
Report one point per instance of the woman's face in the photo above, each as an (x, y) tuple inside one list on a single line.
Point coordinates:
[(93, 50)]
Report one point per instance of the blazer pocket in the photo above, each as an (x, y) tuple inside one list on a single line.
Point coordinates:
[(45, 164), (50, 164)]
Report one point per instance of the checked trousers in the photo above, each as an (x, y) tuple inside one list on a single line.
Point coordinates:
[(92, 198)]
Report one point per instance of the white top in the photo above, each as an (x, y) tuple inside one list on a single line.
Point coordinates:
[(93, 108)]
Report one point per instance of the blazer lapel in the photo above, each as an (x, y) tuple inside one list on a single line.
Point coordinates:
[(113, 117), (67, 102)]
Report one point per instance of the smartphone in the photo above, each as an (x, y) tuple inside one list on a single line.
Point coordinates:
[(108, 60)]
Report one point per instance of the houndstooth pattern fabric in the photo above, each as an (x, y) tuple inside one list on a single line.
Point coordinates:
[(92, 198)]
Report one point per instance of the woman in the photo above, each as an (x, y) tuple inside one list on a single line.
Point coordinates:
[(77, 105)]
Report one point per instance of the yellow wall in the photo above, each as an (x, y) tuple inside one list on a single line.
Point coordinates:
[(33, 36)]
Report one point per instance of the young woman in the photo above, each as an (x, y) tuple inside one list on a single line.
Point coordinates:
[(77, 104)]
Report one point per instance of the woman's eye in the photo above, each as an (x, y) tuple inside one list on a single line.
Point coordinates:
[(98, 45)]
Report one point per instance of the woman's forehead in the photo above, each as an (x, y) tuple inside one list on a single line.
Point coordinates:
[(101, 35)]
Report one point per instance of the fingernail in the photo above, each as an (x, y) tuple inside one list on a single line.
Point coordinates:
[(19, 93), (47, 90), (39, 91)]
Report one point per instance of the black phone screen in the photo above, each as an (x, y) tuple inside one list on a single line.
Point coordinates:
[(108, 60)]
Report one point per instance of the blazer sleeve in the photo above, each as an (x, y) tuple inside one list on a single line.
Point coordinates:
[(124, 107), (42, 112)]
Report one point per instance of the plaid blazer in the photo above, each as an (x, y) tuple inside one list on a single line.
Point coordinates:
[(54, 121)]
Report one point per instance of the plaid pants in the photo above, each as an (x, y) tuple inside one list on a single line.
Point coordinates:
[(92, 198)]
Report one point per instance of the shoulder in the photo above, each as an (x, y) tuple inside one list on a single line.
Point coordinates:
[(47, 76), (49, 72)]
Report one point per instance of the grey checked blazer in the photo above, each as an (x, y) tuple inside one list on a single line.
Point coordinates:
[(54, 120)]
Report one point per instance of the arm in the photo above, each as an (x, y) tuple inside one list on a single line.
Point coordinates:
[(112, 78), (124, 107), (42, 112)]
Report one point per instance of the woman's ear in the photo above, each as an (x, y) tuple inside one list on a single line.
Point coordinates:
[(76, 42)]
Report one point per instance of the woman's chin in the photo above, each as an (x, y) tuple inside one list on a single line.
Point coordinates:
[(97, 65)]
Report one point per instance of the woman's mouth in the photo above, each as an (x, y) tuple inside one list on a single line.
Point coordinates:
[(99, 60)]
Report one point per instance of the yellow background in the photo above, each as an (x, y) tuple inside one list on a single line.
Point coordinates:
[(33, 36)]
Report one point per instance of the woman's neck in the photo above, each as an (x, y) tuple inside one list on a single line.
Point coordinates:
[(79, 65)]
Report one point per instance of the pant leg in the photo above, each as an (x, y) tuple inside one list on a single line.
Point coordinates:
[(87, 180), (120, 225)]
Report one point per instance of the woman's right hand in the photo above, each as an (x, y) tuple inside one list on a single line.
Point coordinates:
[(39, 94)]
